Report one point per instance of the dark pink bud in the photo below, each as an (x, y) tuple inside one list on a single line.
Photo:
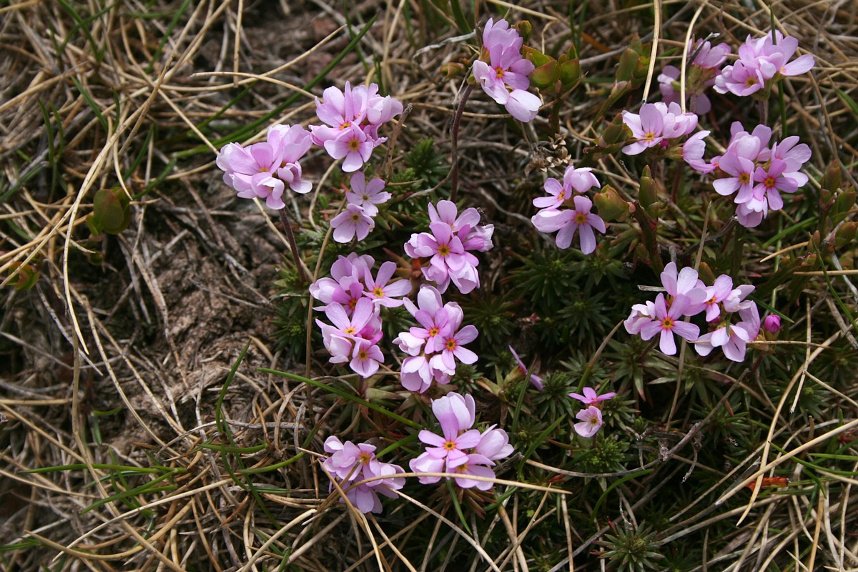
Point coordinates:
[(772, 323)]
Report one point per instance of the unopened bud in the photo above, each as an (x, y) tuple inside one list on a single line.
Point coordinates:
[(615, 132), (845, 234), (772, 323), (570, 72), (452, 70), (525, 28), (628, 63), (610, 204), (545, 75), (648, 192), (831, 179)]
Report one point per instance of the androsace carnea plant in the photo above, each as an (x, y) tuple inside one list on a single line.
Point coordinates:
[(429, 286)]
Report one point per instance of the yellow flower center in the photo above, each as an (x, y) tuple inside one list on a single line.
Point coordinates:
[(378, 292), (580, 218), (443, 250), (769, 182)]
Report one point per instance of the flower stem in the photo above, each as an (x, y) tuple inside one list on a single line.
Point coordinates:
[(454, 142), (290, 236)]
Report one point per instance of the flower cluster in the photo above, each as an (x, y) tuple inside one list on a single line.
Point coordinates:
[(350, 464), (703, 68), (758, 172), (503, 73), (353, 298), (351, 120), (460, 449), (263, 170), (760, 61), (590, 418), (686, 296), (436, 343), (356, 220), (444, 252), (657, 125), (569, 221)]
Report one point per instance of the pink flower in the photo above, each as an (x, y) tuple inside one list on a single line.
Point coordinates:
[(647, 128), (345, 286), (349, 463), (366, 358), (641, 314), (590, 397), (738, 161), (263, 170), (381, 292), (506, 76), (666, 322), (578, 180), (589, 422), (352, 222), (460, 450), (448, 244), (692, 153), (534, 379), (455, 414), (716, 294), (352, 338), (466, 225), (494, 444), (252, 172), (474, 465), (454, 340), (438, 322), (417, 374), (353, 146), (499, 34), (366, 195), (732, 338), (433, 315), (352, 118), (686, 284), (769, 182), (700, 75), (290, 143), (567, 222), (761, 60)]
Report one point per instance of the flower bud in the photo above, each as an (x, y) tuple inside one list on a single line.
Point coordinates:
[(525, 28), (545, 75), (628, 63), (831, 179), (845, 234), (611, 205), (772, 323), (648, 193), (452, 70)]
